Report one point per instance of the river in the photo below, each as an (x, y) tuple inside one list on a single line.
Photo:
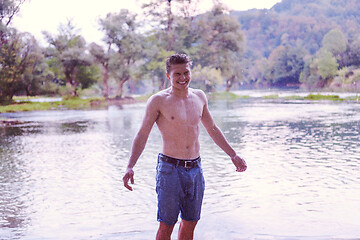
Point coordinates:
[(61, 173)]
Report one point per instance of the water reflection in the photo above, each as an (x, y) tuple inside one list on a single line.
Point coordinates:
[(61, 174)]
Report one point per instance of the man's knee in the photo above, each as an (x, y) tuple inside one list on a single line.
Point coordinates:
[(164, 231), (188, 224), (186, 231)]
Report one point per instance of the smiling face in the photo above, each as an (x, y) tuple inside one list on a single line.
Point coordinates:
[(180, 76)]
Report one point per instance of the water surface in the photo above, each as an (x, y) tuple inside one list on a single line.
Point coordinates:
[(61, 171)]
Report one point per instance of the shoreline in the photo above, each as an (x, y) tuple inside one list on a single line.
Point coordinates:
[(95, 103)]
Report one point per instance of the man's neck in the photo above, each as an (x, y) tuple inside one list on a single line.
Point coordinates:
[(184, 93)]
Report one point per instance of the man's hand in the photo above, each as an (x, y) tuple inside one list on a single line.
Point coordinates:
[(239, 163), (129, 174)]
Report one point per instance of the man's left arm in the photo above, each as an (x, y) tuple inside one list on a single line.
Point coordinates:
[(219, 138)]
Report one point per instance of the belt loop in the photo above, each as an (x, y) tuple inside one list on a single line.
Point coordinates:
[(177, 163)]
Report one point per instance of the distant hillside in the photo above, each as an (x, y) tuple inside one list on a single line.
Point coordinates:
[(300, 23)]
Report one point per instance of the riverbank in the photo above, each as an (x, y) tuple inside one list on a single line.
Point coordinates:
[(23, 104), (284, 95)]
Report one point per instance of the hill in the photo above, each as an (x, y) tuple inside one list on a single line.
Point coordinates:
[(301, 25)]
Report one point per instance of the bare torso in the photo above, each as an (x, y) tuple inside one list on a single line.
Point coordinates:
[(179, 123)]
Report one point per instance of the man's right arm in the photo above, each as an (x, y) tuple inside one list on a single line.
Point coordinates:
[(151, 115)]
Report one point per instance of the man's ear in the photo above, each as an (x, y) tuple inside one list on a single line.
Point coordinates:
[(168, 76)]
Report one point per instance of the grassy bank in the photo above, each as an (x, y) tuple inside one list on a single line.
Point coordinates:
[(225, 96), (23, 104), (72, 103)]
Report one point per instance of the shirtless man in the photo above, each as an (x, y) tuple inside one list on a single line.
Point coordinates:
[(178, 111)]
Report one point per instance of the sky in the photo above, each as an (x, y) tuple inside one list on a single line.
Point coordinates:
[(46, 15)]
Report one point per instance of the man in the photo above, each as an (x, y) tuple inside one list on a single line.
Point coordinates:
[(178, 111)]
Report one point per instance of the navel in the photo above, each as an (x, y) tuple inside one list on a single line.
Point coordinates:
[(172, 117)]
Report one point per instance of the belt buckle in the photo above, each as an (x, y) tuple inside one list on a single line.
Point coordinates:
[(188, 164)]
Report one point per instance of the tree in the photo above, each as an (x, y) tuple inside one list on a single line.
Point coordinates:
[(257, 71), (174, 29), (334, 41), (19, 56), (121, 33), (327, 64), (352, 56), (171, 18), (155, 66), (69, 49), (319, 70), (103, 59), (284, 66), (37, 77), (221, 44), (206, 78), (8, 9)]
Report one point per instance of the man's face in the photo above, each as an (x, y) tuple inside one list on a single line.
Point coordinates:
[(180, 75)]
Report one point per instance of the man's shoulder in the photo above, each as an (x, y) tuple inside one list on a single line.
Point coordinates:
[(200, 93), (158, 97), (161, 94)]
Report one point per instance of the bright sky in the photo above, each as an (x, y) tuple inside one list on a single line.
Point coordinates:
[(39, 15)]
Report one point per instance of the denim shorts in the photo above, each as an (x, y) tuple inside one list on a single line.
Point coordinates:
[(179, 190)]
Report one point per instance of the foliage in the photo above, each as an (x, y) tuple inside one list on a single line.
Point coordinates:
[(21, 66), (120, 31), (311, 44), (68, 49), (308, 26), (327, 64), (206, 78), (102, 57), (284, 66), (221, 42), (155, 66), (334, 41), (8, 9)]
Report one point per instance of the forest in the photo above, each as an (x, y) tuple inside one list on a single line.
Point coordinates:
[(305, 44)]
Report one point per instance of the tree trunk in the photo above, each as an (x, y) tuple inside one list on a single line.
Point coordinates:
[(169, 27), (229, 83), (120, 89), (106, 77), (162, 83)]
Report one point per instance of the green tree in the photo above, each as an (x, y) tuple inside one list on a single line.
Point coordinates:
[(327, 64), (334, 41), (8, 9), (19, 56), (121, 34), (172, 21), (174, 29), (206, 78), (69, 49), (284, 66), (37, 77), (221, 44), (319, 70), (352, 53), (309, 77), (257, 71), (103, 59), (155, 66)]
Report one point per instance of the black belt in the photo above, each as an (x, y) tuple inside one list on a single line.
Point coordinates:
[(180, 162)]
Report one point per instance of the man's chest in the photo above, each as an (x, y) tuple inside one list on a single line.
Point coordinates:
[(183, 112)]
